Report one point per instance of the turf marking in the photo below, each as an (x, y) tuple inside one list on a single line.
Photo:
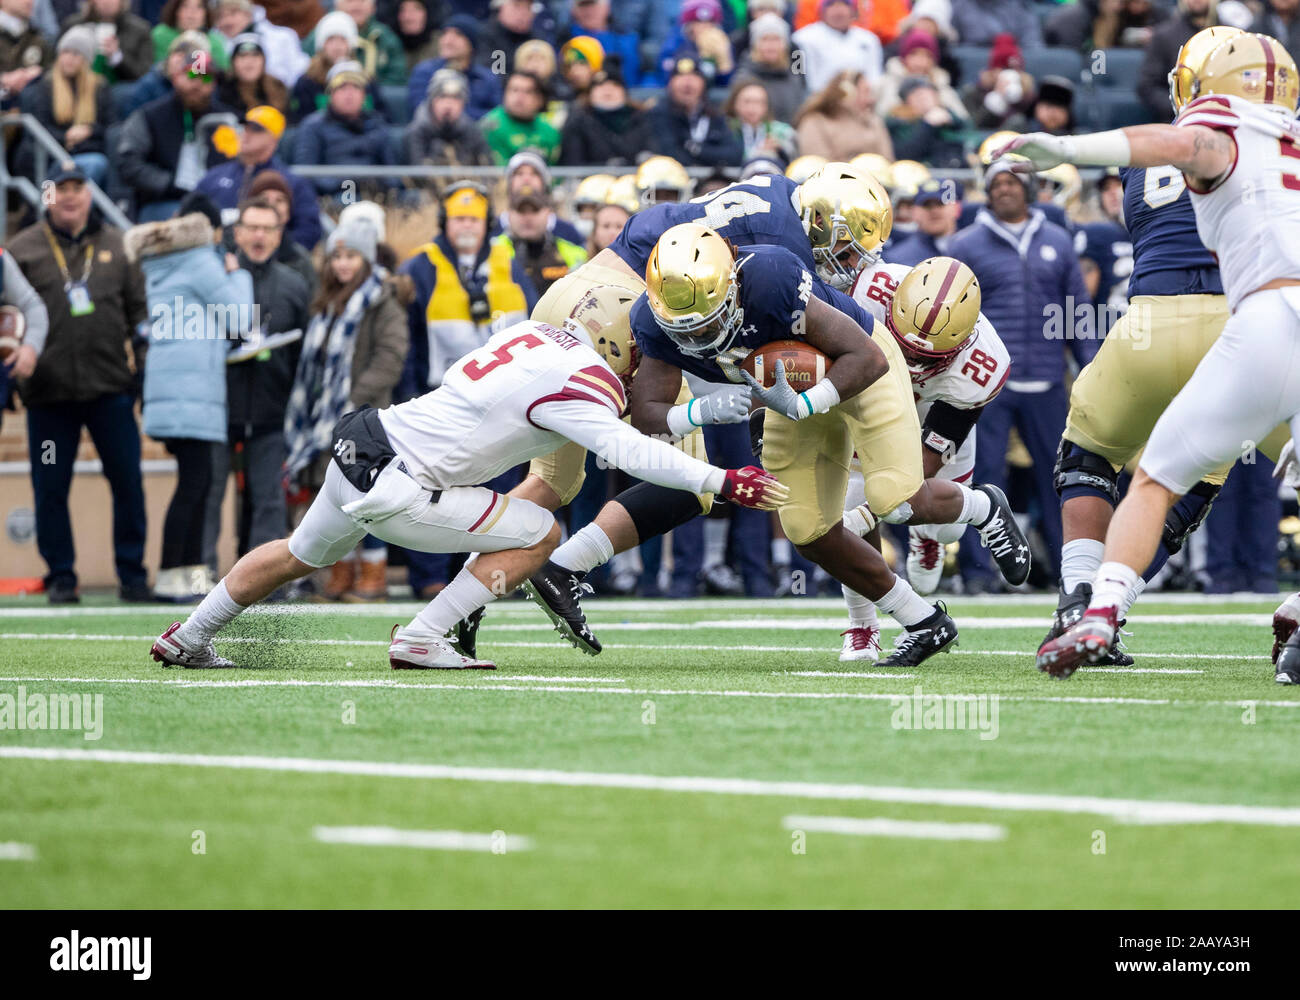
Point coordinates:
[(13, 851), (433, 840), (1125, 810), (881, 826), (838, 673)]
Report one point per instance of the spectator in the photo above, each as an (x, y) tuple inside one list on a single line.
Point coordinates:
[(1003, 94), (1280, 19), (1054, 106), (607, 130), (377, 47), (228, 184), (1029, 277), (298, 16), (285, 59), (608, 223), (921, 128), (187, 15), (271, 187), (457, 43), (415, 30), (74, 105), (95, 301), (934, 17), (686, 127), (248, 84), (344, 133), (538, 58), (24, 52), (16, 291), (1167, 39), (936, 207), (881, 17), (166, 146), (592, 19), (834, 44), (545, 256), (918, 56), (840, 122), (441, 133), (978, 22), (517, 123), (515, 22), (767, 60), (751, 119), (125, 46), (527, 169), (699, 33), (352, 356), (581, 59), (1101, 24), (184, 399), (336, 40)]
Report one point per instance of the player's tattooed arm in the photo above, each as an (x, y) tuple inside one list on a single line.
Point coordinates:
[(856, 361), (1204, 154), (654, 391)]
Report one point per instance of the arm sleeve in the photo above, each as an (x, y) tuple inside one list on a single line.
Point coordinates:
[(19, 292), (946, 427), (595, 427)]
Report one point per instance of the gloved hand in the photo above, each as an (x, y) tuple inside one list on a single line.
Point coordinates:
[(754, 487), (1043, 151), (781, 397), (728, 405)]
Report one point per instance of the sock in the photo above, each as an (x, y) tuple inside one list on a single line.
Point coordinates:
[(975, 505), (374, 555), (780, 551), (905, 604), (1111, 585), (1080, 560), (460, 598), (862, 611), (214, 613), (715, 542), (586, 550), (1134, 592)]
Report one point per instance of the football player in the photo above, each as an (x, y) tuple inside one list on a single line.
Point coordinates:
[(402, 474), (1237, 145)]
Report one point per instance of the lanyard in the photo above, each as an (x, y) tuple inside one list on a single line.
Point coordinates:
[(62, 261)]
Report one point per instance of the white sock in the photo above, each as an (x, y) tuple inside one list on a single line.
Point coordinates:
[(214, 613), (715, 541), (1080, 560), (905, 604), (1134, 592), (975, 505), (862, 612), (463, 596), (584, 551), (1112, 584), (780, 551), (374, 555)]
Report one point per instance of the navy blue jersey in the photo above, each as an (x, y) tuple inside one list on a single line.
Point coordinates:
[(775, 287), (1107, 245), (760, 210), (1168, 256)]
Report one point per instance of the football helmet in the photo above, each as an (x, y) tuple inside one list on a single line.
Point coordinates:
[(623, 192), (1066, 184), (601, 318), (1255, 68), (803, 167), (691, 283), (591, 191), (662, 174), (1190, 58), (908, 176), (842, 202), (934, 312), (879, 167)]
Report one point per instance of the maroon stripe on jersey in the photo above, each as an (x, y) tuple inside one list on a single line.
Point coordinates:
[(608, 379), (948, 279), (1270, 70), (568, 393), (473, 527), (964, 476)]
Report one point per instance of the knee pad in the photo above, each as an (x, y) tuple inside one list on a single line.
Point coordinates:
[(1080, 472), (656, 510), (802, 524), (1186, 515)]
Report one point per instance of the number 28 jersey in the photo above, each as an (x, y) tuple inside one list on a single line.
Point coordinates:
[(974, 376)]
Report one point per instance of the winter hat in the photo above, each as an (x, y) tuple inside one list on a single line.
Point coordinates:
[(269, 180), (466, 25), (1005, 53), (918, 38), (79, 38), (700, 10), (196, 201), (369, 213), (346, 71), (532, 158), (447, 82), (768, 24), (358, 235), (335, 23)]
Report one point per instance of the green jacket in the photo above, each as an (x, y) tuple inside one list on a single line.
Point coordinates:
[(506, 136), (379, 50)]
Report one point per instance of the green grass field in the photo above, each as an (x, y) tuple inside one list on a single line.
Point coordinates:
[(712, 756)]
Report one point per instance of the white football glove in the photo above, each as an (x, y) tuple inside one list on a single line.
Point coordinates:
[(781, 397), (1043, 151), (722, 406)]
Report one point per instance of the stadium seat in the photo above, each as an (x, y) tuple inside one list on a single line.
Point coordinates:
[(1054, 62), (1117, 69), (395, 104), (971, 59)]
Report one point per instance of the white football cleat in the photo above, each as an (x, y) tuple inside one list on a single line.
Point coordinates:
[(412, 651), (924, 563), (1285, 620), (860, 644), (168, 651)]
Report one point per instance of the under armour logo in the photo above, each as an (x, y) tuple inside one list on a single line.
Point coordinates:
[(941, 634), (744, 491)]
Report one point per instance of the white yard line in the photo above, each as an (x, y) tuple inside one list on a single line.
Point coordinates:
[(839, 673), (1125, 810), (434, 840), (14, 851), (880, 826)]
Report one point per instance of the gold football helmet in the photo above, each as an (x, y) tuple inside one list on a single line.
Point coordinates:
[(803, 167), (690, 281), (1255, 68), (662, 175), (1190, 58), (1066, 185), (623, 192), (994, 142), (934, 312), (842, 202), (601, 318), (877, 166), (591, 191), (909, 175)]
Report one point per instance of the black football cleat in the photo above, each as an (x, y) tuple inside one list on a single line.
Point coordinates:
[(917, 643), (558, 591), (1086, 643), (1002, 536), (1287, 670), (466, 641), (1069, 610)]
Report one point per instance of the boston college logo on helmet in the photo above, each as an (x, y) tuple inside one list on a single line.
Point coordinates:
[(935, 309)]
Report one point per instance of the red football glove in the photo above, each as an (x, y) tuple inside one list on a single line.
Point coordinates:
[(754, 487)]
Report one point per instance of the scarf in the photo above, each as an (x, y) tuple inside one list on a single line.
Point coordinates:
[(323, 383)]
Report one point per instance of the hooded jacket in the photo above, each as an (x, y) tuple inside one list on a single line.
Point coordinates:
[(455, 143)]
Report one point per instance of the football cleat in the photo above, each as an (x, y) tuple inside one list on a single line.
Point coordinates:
[(168, 651), (1001, 535), (722, 579), (924, 563), (1287, 670), (558, 592), (466, 641), (1085, 643), (412, 651), (1069, 610), (1285, 620), (917, 643), (860, 644)]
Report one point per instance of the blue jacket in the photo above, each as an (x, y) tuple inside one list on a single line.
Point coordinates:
[(324, 138), (914, 248), (185, 366), (484, 87), (1033, 293), (226, 183)]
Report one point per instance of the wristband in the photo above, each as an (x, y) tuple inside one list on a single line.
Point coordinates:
[(819, 399), (1099, 149), (679, 420)]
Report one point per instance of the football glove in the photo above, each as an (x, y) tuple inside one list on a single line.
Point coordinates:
[(754, 487), (781, 397)]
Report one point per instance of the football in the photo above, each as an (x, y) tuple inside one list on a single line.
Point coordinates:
[(13, 325), (804, 366)]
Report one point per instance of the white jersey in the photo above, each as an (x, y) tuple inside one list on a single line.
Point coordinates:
[(1250, 217), (530, 389), (975, 374)]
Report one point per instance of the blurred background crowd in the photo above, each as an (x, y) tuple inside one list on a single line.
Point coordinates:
[(368, 189)]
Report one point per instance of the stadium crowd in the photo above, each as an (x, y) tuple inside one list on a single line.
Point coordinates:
[(201, 123)]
